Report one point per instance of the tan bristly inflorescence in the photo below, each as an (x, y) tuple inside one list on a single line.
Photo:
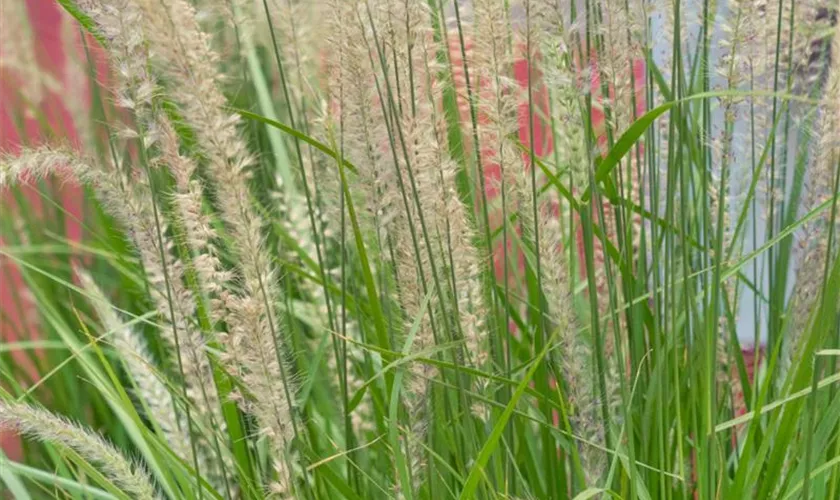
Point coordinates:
[(254, 346), (76, 82), (141, 366), (406, 178), (814, 247), (240, 298), (137, 91), (129, 202), (44, 426)]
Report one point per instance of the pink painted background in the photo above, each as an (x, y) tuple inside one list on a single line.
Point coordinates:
[(45, 18)]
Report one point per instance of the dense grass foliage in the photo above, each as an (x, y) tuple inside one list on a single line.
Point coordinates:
[(423, 249)]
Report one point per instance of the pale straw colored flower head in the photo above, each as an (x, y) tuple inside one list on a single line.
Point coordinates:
[(129, 201), (821, 185), (141, 367), (44, 426), (253, 347)]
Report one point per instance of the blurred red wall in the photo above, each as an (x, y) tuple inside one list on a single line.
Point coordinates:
[(46, 19)]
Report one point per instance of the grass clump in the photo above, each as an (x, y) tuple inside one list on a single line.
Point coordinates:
[(380, 248)]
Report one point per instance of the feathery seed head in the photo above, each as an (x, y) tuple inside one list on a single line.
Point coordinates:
[(44, 426)]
